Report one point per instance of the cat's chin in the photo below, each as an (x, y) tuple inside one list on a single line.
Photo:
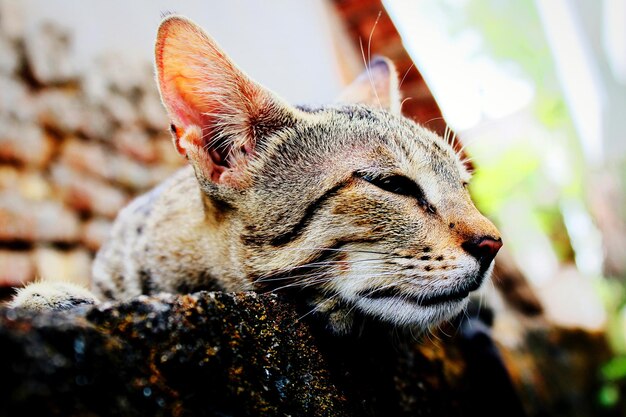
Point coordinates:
[(421, 311), (405, 312)]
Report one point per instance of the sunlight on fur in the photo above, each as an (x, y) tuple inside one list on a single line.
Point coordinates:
[(351, 208)]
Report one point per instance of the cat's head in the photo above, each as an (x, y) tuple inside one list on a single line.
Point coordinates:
[(352, 199)]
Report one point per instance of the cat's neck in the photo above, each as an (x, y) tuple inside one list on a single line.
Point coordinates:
[(218, 230), (195, 235)]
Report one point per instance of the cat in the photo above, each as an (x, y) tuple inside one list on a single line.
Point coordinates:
[(354, 205)]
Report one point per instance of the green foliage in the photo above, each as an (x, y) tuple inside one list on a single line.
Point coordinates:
[(615, 369), (491, 189), (550, 109), (609, 395), (614, 375), (613, 296)]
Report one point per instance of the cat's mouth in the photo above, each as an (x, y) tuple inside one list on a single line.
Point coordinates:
[(451, 296)]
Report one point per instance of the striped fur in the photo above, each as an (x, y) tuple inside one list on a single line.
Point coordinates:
[(275, 199)]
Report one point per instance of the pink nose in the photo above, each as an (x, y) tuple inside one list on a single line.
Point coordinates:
[(484, 249)]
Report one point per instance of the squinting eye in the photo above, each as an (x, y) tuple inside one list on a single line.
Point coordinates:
[(399, 184), (465, 184), (396, 184)]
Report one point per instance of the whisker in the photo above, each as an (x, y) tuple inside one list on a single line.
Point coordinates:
[(393, 284), (433, 119), (318, 306), (465, 144), (405, 74), (385, 261), (300, 284), (367, 60), (369, 54), (405, 100), (323, 249), (291, 277), (382, 269), (440, 330), (325, 263), (369, 75)]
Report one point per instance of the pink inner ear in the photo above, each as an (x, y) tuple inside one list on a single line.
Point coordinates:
[(191, 69), (180, 47), (214, 106), (182, 113), (196, 82)]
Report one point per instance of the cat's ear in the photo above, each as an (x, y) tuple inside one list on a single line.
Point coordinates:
[(219, 115), (377, 86)]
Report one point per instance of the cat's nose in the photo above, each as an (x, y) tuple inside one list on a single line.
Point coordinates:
[(483, 248)]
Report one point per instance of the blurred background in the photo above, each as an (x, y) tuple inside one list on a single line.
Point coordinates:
[(535, 91)]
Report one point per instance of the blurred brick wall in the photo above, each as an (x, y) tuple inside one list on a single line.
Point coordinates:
[(74, 148)]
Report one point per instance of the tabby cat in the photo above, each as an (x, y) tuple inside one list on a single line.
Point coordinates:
[(352, 204)]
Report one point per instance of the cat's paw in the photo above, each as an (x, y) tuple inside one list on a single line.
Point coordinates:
[(44, 296)]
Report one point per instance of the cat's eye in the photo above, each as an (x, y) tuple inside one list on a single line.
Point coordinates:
[(399, 184), (465, 184)]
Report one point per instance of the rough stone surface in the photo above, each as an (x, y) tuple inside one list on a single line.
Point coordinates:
[(211, 354), (216, 354)]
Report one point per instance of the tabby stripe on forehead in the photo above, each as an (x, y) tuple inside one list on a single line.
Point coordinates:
[(309, 213), (406, 151)]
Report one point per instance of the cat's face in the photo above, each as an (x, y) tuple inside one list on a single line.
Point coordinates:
[(371, 208), (352, 200)]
